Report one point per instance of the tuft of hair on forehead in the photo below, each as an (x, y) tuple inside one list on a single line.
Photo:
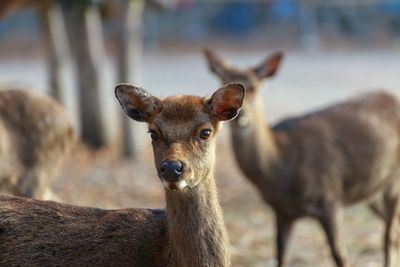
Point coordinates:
[(182, 108)]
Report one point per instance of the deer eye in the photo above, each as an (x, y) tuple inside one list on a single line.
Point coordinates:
[(154, 136), (205, 134)]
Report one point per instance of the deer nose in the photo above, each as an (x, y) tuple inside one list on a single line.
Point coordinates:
[(171, 170)]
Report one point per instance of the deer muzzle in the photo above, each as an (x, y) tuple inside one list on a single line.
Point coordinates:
[(171, 171), (171, 174)]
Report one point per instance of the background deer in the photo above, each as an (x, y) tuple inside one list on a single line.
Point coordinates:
[(36, 136), (190, 232), (314, 164)]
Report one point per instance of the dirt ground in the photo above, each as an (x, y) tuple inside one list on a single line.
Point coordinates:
[(100, 179)]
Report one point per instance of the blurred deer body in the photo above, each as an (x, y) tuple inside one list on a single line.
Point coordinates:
[(36, 136), (356, 141), (190, 232), (312, 165)]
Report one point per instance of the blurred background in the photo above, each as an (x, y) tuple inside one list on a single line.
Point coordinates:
[(78, 50)]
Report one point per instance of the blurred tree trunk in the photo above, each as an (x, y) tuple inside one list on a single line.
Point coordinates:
[(87, 43), (129, 57), (57, 49)]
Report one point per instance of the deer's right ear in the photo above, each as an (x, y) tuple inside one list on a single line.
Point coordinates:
[(215, 63), (227, 101), (269, 67), (137, 103)]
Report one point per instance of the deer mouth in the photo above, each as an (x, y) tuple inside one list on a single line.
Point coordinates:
[(175, 185)]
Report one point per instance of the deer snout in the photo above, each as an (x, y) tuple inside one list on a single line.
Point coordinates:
[(171, 171)]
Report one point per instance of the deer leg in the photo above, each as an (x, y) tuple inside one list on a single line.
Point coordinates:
[(27, 184), (283, 230), (391, 238), (378, 209), (330, 224)]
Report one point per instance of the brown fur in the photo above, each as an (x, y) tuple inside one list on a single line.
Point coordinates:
[(45, 233), (314, 164), (190, 232), (36, 137)]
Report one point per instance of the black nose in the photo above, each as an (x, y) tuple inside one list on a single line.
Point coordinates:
[(171, 170)]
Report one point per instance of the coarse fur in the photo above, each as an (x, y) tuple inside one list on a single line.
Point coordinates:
[(36, 137), (314, 164), (189, 232)]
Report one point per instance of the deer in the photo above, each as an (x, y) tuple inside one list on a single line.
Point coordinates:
[(36, 138), (190, 231), (314, 165)]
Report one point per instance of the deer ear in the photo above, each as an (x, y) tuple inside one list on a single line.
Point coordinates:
[(227, 101), (137, 103), (215, 63), (269, 67)]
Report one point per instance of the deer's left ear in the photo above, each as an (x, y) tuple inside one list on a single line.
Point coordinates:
[(215, 63), (269, 67), (227, 101), (137, 103)]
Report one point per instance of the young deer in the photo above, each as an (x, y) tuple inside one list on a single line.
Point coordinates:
[(36, 136), (190, 232), (314, 164)]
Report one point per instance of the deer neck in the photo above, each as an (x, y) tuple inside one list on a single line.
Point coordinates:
[(254, 143), (197, 234)]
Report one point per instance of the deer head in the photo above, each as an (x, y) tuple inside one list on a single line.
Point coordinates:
[(250, 78), (182, 129)]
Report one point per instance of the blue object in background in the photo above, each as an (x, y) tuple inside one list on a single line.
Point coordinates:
[(237, 18), (391, 7), (283, 10)]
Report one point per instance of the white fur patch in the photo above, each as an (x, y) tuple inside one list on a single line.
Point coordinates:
[(175, 185), (182, 184)]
